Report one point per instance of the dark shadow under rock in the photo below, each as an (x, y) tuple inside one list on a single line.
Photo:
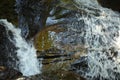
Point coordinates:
[(112, 4), (8, 73), (80, 66)]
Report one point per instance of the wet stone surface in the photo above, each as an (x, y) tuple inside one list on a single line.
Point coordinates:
[(7, 48)]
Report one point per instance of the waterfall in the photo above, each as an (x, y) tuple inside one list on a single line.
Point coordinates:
[(27, 64), (102, 39), (98, 30)]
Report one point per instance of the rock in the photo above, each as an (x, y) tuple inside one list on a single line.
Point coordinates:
[(112, 4), (32, 15), (80, 66), (7, 48), (8, 73), (98, 65)]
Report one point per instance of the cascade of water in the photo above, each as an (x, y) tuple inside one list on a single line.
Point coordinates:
[(26, 53), (99, 31), (101, 35)]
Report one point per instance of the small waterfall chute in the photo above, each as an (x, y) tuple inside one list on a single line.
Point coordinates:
[(27, 62)]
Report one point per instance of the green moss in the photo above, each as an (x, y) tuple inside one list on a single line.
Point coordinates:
[(43, 41)]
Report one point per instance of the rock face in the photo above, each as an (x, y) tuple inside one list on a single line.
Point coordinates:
[(7, 48), (77, 28), (32, 15), (80, 66), (112, 4), (7, 55), (8, 73)]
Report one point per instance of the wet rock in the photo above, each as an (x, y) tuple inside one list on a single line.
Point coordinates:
[(32, 15), (80, 66), (8, 73), (7, 48), (87, 68), (38, 77)]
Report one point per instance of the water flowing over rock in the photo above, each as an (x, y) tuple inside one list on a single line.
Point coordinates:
[(16, 52), (97, 29), (86, 25)]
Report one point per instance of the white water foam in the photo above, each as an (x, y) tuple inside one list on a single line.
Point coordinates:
[(99, 31), (26, 53), (102, 34)]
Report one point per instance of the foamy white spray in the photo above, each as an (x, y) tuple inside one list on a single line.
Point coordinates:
[(26, 53), (98, 29), (102, 34)]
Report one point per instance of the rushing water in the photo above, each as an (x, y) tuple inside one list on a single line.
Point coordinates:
[(101, 36), (28, 64), (99, 31)]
